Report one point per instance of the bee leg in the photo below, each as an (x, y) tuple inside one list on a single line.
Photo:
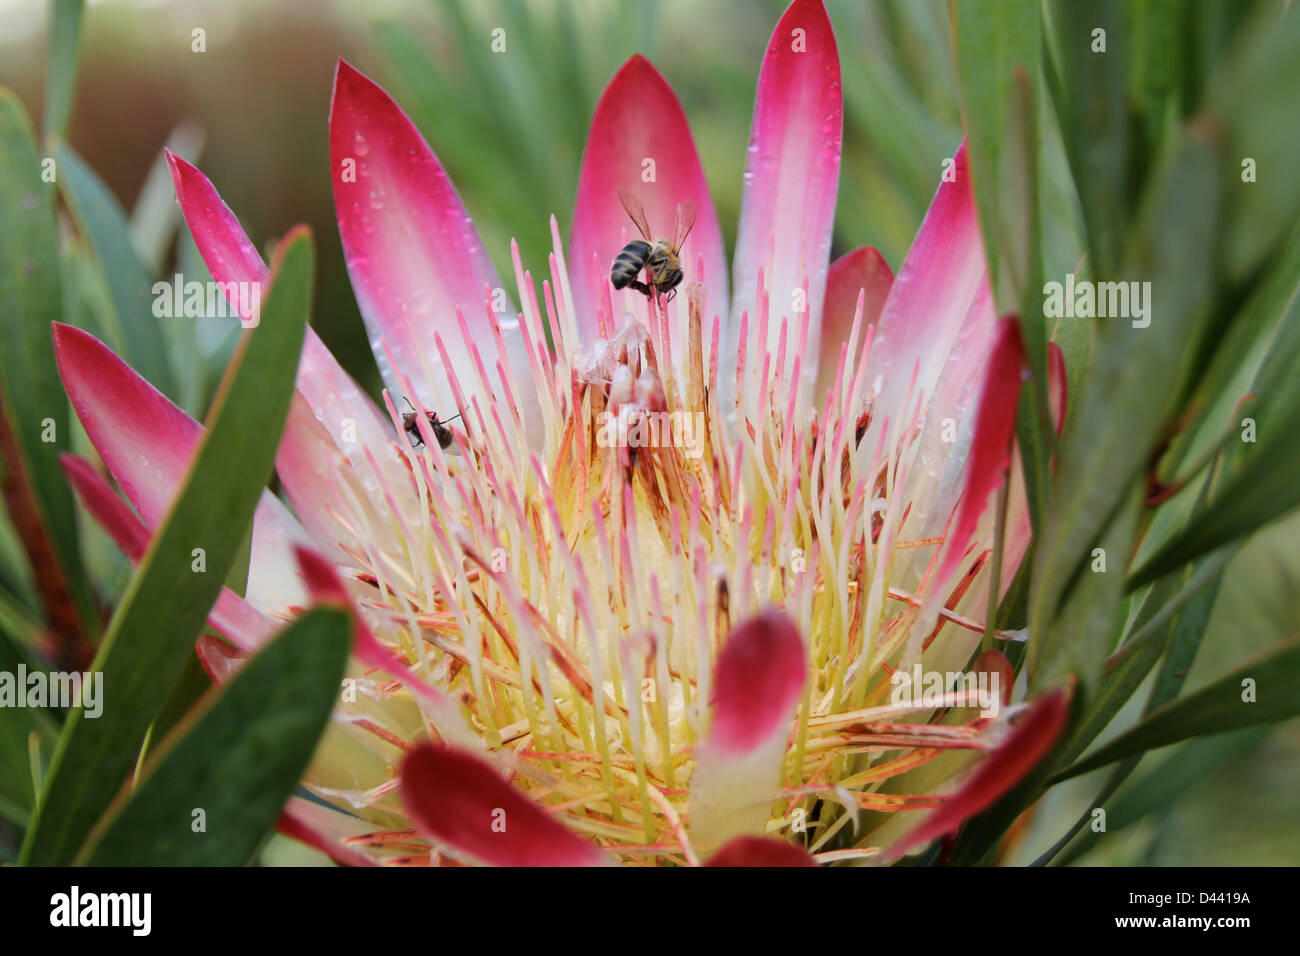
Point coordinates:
[(642, 288)]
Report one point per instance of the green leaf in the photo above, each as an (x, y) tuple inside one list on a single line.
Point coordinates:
[(61, 80), (1183, 637), (155, 626), (185, 695), (1085, 632), (1091, 103), (1161, 788), (16, 729), (1171, 778), (1159, 66), (1181, 590), (993, 40), (1172, 615), (194, 682), (1088, 621), (102, 221), (238, 758), (1135, 371), (1258, 335), (1215, 709), (31, 396), (1260, 481), (1252, 99), (998, 47)]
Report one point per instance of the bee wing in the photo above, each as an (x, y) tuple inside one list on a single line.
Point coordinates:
[(684, 223), (636, 212)]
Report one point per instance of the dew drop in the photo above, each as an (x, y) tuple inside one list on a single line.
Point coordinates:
[(420, 303)]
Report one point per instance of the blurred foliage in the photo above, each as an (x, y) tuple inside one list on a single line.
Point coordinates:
[(510, 127)]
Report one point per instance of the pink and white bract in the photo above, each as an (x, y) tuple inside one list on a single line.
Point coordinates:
[(676, 647)]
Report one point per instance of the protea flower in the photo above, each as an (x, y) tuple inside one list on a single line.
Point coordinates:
[(656, 649)]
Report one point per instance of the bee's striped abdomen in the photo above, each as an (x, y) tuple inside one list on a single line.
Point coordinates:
[(628, 263)]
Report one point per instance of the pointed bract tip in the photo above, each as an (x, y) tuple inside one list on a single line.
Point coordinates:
[(68, 338), (180, 166), (815, 9), (342, 68), (348, 78), (638, 63)]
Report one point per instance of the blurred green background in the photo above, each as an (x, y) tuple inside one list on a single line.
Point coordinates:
[(510, 128)]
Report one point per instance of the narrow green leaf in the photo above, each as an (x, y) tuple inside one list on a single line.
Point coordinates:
[(1262, 690), (1087, 629), (1184, 633), (1260, 483), (17, 620), (31, 397), (1252, 99), (1135, 371), (1091, 103), (16, 728), (61, 79), (1150, 631), (998, 48), (185, 695), (1167, 782), (193, 681), (155, 625), (993, 39), (1171, 616), (237, 758), (1159, 65), (1160, 789), (103, 223), (1259, 335)]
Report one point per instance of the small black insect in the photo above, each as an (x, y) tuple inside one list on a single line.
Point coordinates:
[(410, 425)]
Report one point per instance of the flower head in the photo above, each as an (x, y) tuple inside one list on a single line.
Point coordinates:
[(647, 603)]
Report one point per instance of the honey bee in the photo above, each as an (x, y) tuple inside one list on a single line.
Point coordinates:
[(410, 425), (661, 257)]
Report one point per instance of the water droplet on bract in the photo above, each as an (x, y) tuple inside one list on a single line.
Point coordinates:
[(420, 303), (360, 146), (931, 460)]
